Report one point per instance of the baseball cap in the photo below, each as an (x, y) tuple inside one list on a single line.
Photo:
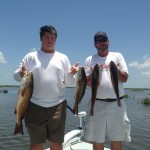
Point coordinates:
[(102, 36)]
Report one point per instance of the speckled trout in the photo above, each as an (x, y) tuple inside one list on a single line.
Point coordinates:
[(80, 88), (24, 96), (114, 80), (94, 86)]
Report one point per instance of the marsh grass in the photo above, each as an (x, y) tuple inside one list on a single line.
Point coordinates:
[(146, 101), (126, 96), (4, 91)]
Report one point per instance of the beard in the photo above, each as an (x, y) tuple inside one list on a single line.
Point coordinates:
[(103, 48)]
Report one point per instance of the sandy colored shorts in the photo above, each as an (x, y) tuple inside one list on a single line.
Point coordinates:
[(46, 123), (110, 121)]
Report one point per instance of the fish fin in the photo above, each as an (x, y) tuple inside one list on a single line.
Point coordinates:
[(19, 129), (23, 92)]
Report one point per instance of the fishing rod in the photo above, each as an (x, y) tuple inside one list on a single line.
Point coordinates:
[(80, 115), (70, 109)]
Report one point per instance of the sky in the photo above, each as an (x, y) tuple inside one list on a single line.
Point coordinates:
[(126, 22)]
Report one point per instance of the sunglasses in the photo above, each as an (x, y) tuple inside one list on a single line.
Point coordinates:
[(100, 41)]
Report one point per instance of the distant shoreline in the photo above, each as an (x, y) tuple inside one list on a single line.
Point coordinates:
[(1, 86), (73, 87), (9, 86)]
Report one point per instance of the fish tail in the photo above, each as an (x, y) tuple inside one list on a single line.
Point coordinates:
[(19, 129), (119, 103), (91, 111), (75, 110)]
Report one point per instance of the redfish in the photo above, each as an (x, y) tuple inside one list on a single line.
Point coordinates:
[(114, 80), (24, 96), (95, 83), (81, 82)]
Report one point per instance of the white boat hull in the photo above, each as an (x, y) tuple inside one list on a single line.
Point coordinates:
[(73, 139)]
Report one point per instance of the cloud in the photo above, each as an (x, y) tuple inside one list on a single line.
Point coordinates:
[(143, 67), (146, 73), (2, 59)]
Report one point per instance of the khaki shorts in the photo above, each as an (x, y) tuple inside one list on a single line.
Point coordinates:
[(46, 123)]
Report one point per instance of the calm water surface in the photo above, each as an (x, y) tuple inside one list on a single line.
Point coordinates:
[(138, 114)]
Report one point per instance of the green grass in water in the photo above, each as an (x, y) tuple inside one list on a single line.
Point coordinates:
[(146, 101)]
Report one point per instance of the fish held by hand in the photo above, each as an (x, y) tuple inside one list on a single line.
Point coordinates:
[(81, 82), (24, 96), (114, 79), (95, 76)]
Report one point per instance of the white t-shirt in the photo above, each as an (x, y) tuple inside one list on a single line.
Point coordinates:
[(105, 88), (50, 74)]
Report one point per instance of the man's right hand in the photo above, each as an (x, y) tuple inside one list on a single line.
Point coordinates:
[(23, 71)]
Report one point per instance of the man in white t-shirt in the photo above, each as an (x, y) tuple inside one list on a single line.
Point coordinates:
[(108, 120), (45, 118)]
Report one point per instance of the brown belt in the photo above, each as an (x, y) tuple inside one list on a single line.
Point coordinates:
[(109, 99)]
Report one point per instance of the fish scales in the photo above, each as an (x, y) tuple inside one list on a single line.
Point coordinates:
[(80, 88), (95, 83), (24, 96), (114, 80)]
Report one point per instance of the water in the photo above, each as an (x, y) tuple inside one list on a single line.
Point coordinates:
[(138, 114)]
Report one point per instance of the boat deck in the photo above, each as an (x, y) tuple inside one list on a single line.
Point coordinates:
[(82, 145)]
